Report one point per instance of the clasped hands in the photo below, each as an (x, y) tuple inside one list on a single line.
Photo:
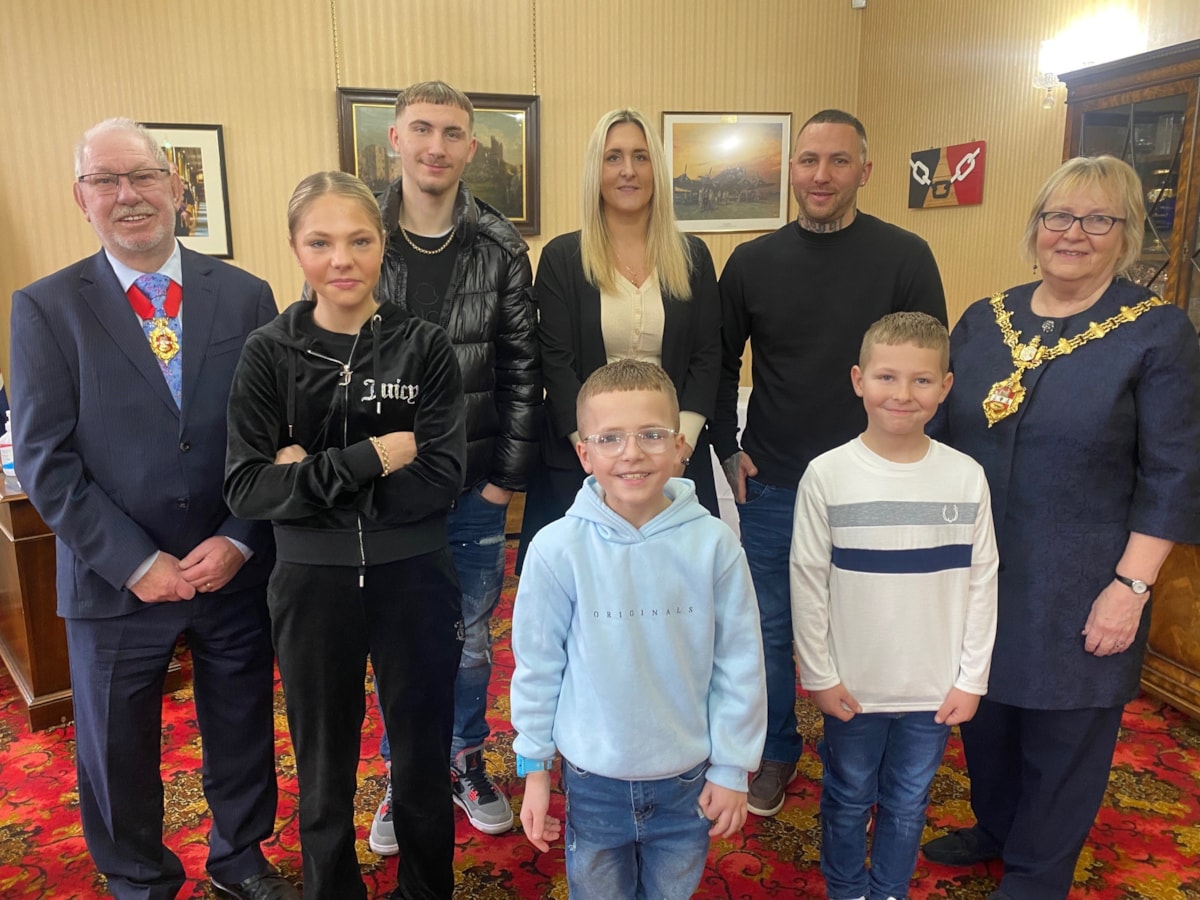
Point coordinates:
[(209, 567)]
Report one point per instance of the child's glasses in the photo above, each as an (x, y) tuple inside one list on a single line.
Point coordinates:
[(652, 440)]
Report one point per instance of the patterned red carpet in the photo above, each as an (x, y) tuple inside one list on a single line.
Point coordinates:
[(1146, 843)]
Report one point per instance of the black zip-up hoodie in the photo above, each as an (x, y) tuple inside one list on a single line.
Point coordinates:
[(333, 508)]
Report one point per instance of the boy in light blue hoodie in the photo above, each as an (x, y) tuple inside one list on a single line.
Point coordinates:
[(638, 657)]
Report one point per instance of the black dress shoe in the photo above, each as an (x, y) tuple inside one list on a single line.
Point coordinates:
[(962, 847), (269, 885)]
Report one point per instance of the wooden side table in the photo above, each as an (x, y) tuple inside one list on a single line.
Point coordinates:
[(33, 639)]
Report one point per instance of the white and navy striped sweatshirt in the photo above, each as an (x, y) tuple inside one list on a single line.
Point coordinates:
[(893, 577)]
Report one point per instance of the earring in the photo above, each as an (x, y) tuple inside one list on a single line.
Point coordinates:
[(1035, 268)]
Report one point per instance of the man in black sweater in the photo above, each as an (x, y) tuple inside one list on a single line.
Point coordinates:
[(804, 295)]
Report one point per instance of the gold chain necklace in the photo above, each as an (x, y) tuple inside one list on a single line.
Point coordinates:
[(1006, 395), (633, 276), (445, 244)]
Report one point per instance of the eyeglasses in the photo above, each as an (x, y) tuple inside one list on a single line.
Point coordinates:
[(110, 182), (1062, 221), (652, 440)]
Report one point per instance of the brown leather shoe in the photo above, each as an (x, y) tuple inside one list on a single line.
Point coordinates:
[(768, 787)]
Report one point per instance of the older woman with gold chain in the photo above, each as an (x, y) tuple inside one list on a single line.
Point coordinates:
[(1080, 396)]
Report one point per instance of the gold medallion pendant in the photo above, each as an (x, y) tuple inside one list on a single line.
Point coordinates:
[(163, 341), (1004, 398)]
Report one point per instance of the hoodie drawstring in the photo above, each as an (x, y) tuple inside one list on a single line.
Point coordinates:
[(375, 322), (291, 394)]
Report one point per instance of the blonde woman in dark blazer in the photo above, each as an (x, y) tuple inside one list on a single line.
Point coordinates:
[(628, 284)]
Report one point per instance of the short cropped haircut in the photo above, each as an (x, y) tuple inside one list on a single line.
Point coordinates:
[(438, 93), (898, 328), (1117, 179), (628, 375), (120, 124), (835, 117)]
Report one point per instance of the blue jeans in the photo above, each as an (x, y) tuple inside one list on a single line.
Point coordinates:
[(766, 524), (884, 761), (634, 839), (476, 531)]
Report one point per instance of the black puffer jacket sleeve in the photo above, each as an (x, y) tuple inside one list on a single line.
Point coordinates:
[(518, 390)]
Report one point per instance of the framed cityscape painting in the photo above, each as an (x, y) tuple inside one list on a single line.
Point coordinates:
[(198, 154)]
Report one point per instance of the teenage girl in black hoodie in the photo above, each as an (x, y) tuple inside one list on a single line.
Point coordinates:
[(346, 431)]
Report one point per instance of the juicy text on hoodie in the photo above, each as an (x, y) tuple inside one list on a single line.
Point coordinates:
[(333, 508)]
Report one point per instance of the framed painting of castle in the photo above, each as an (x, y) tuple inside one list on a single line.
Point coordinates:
[(504, 173)]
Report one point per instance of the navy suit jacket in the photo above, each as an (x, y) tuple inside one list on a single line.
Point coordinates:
[(108, 460)]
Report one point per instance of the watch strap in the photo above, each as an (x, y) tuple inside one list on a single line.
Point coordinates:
[(1133, 583), (526, 765)]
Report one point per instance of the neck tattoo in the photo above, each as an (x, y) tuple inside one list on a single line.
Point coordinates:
[(445, 243), (820, 227)]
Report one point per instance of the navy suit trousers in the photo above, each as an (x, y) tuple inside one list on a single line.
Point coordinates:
[(118, 666)]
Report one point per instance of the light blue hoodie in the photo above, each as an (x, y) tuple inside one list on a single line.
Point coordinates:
[(638, 651)]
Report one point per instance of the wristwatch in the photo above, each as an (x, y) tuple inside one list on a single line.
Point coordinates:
[(525, 766), (1135, 585)]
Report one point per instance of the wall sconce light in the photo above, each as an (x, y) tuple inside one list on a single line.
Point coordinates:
[(1111, 34), (1047, 81)]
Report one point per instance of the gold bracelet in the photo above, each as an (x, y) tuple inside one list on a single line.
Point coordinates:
[(383, 454)]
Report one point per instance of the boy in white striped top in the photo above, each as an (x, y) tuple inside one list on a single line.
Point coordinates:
[(893, 581)]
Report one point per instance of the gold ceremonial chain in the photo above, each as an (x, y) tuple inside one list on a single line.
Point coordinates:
[(163, 340), (1005, 396), (449, 238)]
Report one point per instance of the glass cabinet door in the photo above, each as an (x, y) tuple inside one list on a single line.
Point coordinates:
[(1191, 271), (1148, 134)]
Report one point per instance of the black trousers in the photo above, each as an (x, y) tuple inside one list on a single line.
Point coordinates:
[(407, 618), (118, 666), (1038, 778)]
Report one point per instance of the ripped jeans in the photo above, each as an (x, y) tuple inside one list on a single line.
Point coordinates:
[(883, 762), (476, 532)]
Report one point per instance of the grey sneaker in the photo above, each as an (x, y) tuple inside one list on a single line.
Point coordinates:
[(768, 787), (486, 807), (383, 831)]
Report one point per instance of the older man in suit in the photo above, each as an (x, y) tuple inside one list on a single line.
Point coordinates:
[(121, 366)]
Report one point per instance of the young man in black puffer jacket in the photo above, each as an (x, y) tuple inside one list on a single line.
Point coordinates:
[(459, 263)]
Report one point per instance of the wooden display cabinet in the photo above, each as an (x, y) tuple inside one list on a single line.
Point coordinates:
[(1145, 109)]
